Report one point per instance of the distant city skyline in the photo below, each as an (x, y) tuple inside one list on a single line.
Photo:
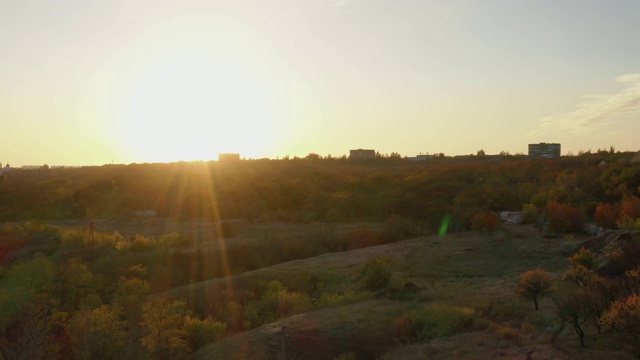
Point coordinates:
[(90, 83)]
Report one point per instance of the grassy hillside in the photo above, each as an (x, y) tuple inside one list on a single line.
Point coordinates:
[(462, 275)]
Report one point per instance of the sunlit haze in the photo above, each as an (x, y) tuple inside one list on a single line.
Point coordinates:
[(95, 82)]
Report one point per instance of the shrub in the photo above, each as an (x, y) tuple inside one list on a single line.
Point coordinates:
[(361, 237), (174, 240), (504, 332), (436, 320), (397, 228), (72, 237), (335, 299), (530, 214), (346, 356), (202, 331), (141, 242), (376, 273), (120, 242), (275, 303)]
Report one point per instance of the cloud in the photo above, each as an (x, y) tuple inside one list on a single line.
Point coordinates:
[(596, 113), (345, 3)]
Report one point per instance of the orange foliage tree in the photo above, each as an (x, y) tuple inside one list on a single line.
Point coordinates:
[(623, 318), (534, 284), (630, 208), (564, 218), (607, 215), (486, 221)]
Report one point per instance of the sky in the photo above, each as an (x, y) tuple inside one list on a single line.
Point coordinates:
[(124, 81)]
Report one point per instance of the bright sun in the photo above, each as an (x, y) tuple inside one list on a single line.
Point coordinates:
[(190, 107)]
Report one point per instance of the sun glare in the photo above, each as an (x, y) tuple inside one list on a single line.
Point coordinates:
[(191, 107)]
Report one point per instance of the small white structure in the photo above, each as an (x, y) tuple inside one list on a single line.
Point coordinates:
[(512, 217), (421, 157), (145, 213)]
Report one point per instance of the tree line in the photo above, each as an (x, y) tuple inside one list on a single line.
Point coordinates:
[(602, 187)]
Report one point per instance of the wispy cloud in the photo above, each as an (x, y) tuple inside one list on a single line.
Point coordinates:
[(596, 112), (345, 3)]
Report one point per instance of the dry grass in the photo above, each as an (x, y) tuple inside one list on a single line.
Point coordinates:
[(465, 270)]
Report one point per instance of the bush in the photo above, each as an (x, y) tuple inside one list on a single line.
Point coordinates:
[(203, 331), (346, 356), (530, 214), (72, 237), (435, 320), (362, 236), (174, 240), (334, 299), (376, 273), (397, 228), (277, 302)]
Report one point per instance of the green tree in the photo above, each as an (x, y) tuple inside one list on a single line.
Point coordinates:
[(99, 333), (530, 214), (129, 293), (163, 323)]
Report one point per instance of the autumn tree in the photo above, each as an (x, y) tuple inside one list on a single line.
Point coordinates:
[(623, 319), (630, 213), (485, 222), (572, 307), (607, 215), (564, 218), (534, 284), (584, 257), (99, 333), (163, 323), (630, 208), (129, 293)]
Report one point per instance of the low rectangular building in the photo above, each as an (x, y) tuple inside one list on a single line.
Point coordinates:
[(362, 154), (544, 150), (228, 157)]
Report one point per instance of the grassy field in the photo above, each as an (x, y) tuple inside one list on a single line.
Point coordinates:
[(465, 279)]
